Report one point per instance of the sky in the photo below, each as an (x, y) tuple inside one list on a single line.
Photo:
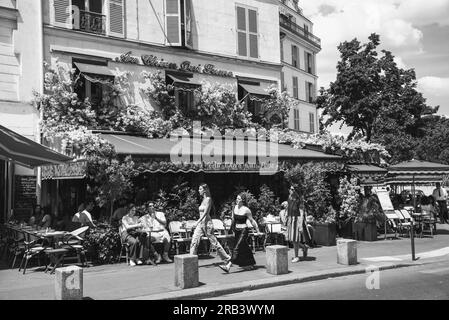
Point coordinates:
[(415, 31)]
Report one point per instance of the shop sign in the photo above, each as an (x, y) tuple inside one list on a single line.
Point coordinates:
[(153, 61), (73, 170)]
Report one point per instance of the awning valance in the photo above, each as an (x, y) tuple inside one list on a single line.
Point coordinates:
[(418, 167), (367, 169), (18, 149), (96, 73), (418, 179)]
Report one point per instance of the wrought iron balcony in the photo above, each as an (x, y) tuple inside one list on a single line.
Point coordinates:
[(92, 22), (289, 25)]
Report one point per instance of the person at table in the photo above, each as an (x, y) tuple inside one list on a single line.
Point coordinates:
[(46, 219), (85, 217), (428, 208), (297, 231), (204, 225), (242, 254), (155, 225), (76, 216), (36, 216), (131, 232), (440, 196), (119, 213)]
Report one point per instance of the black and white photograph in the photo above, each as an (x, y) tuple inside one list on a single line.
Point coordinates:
[(224, 157)]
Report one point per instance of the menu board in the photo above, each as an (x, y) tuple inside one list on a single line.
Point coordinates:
[(384, 199), (24, 196)]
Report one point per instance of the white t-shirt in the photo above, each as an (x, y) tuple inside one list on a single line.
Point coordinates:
[(153, 224), (439, 194), (85, 218)]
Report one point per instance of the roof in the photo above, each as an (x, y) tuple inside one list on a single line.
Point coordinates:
[(418, 167), (254, 89), (21, 150), (365, 168), (140, 146)]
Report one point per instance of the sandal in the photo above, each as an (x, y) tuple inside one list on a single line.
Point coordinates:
[(224, 268)]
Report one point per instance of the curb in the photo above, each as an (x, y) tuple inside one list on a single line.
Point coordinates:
[(220, 290)]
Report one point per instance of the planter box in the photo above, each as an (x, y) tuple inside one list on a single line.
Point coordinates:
[(325, 234), (345, 230), (365, 231)]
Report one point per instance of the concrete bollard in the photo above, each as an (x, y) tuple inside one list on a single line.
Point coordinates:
[(69, 283), (277, 259), (347, 251), (186, 271)]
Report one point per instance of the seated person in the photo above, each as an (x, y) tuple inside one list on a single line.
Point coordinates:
[(46, 219), (36, 216), (155, 224), (131, 232), (119, 213), (85, 218), (427, 207)]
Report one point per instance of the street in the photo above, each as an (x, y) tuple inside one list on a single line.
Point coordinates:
[(425, 282)]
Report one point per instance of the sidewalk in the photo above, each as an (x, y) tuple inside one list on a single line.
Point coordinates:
[(113, 282)]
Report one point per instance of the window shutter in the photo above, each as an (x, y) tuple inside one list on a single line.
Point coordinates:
[(62, 13), (116, 18), (312, 122), (307, 92), (188, 23), (253, 34), (173, 22), (242, 49), (295, 88), (295, 61)]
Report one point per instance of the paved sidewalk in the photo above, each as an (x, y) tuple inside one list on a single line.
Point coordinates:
[(112, 282)]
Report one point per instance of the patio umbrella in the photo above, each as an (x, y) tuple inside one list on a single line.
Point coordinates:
[(25, 152), (416, 171)]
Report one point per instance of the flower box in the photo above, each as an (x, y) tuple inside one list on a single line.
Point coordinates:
[(365, 231), (325, 234), (345, 229)]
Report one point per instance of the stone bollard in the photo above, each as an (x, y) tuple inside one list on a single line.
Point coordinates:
[(69, 283), (186, 271), (277, 259), (347, 251)]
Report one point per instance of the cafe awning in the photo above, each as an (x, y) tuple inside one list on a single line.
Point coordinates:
[(23, 151), (369, 175), (179, 79), (141, 146), (252, 89), (96, 73), (418, 167)]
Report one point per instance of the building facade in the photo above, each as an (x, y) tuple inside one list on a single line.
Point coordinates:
[(299, 48)]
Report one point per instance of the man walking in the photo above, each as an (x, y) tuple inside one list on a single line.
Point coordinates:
[(440, 196)]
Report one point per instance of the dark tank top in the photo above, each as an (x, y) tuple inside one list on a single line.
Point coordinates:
[(240, 219)]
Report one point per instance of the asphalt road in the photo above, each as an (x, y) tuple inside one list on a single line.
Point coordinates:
[(427, 282)]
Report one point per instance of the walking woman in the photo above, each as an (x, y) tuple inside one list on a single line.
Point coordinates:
[(242, 254), (296, 223), (204, 225)]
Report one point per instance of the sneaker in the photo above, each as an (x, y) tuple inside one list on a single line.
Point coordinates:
[(132, 263), (139, 262), (295, 260), (166, 258), (158, 258)]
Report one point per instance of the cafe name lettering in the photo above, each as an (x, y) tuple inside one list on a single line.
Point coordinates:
[(153, 61)]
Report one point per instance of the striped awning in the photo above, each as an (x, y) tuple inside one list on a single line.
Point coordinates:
[(418, 167)]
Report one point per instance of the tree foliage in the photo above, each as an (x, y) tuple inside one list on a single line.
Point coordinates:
[(376, 98)]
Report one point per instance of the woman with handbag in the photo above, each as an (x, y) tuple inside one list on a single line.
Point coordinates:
[(297, 231)]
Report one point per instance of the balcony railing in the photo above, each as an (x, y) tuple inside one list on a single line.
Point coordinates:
[(92, 22), (299, 31)]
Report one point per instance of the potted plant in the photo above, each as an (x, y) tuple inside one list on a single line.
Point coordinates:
[(325, 229)]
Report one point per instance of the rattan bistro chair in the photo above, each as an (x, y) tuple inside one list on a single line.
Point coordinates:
[(179, 235)]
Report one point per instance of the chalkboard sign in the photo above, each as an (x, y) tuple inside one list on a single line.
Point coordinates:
[(24, 196)]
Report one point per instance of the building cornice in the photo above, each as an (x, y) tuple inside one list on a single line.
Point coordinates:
[(9, 13), (294, 37), (286, 64), (128, 44)]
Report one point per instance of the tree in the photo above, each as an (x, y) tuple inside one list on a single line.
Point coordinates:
[(376, 98), (434, 146)]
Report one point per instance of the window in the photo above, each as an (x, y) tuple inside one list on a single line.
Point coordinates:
[(184, 90), (282, 51), (178, 23), (308, 62), (295, 56), (247, 32), (296, 119), (306, 30), (93, 16), (309, 92), (295, 88), (312, 122)]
